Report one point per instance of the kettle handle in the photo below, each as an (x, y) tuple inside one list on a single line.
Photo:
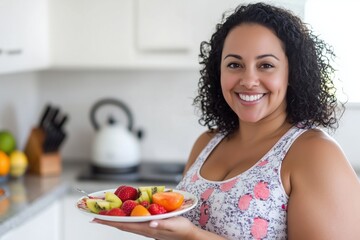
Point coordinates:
[(113, 102)]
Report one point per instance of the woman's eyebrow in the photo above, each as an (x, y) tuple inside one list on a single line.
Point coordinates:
[(234, 56), (258, 57), (267, 55)]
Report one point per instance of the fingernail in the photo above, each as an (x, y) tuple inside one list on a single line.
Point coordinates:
[(93, 221), (153, 224)]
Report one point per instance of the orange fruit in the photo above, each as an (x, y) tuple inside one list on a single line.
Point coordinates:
[(4, 164), (169, 200), (139, 210)]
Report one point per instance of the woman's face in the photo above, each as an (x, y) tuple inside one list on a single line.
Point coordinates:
[(254, 73)]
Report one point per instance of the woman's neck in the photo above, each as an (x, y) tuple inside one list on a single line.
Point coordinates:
[(266, 128)]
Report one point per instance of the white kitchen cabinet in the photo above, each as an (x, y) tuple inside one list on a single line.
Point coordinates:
[(116, 34), (165, 30), (45, 225), (131, 34), (109, 34), (91, 33), (24, 42), (76, 225), (135, 34)]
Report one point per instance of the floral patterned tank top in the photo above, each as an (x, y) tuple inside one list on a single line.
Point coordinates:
[(251, 205)]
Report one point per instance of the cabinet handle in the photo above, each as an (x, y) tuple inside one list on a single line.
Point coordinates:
[(14, 51)]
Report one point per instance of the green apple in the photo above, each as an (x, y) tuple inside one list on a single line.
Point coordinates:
[(7, 142)]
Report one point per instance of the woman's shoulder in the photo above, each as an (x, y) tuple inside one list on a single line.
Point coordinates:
[(315, 146), (316, 142), (315, 153), (198, 146), (319, 176), (205, 137)]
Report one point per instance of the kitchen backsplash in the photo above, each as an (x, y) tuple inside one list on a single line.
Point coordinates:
[(161, 102)]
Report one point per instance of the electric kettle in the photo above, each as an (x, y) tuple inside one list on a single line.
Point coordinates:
[(115, 147)]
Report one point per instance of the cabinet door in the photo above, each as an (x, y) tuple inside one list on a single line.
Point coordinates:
[(76, 225), (162, 25), (91, 33), (24, 41), (134, 34), (42, 226)]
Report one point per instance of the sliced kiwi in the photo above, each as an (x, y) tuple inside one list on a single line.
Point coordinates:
[(114, 200), (151, 190), (103, 204), (143, 196), (96, 205)]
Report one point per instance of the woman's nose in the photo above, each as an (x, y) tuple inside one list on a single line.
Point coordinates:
[(249, 79)]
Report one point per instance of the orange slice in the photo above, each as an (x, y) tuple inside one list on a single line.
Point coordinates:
[(139, 210), (169, 200)]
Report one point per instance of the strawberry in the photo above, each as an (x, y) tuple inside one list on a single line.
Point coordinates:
[(156, 209), (145, 204), (128, 206), (104, 212), (116, 212), (126, 193), (119, 188)]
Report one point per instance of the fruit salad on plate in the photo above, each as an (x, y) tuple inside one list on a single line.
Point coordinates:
[(129, 203)]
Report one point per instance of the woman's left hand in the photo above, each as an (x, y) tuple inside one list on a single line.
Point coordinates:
[(172, 228)]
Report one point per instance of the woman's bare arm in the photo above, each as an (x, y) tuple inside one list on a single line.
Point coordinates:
[(325, 191)]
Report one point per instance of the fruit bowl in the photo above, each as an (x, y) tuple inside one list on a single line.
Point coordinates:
[(190, 201)]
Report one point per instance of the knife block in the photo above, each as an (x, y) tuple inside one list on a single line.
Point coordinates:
[(40, 163)]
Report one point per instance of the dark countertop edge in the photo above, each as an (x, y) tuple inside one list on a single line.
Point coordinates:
[(34, 208)]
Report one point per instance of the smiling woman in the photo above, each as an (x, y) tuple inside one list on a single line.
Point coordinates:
[(265, 169), (253, 69)]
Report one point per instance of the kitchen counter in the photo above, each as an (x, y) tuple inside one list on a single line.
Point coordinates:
[(27, 196), (30, 194)]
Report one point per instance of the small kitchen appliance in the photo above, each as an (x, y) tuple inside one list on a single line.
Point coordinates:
[(115, 147)]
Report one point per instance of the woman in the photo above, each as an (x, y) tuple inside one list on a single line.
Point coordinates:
[(265, 169)]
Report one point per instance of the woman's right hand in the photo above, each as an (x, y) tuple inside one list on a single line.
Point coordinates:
[(176, 228)]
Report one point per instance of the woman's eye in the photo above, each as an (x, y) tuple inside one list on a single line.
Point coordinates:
[(233, 65), (266, 65)]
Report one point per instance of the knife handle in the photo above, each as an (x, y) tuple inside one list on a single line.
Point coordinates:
[(45, 115), (62, 121)]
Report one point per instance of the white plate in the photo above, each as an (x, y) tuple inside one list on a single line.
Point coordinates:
[(190, 202)]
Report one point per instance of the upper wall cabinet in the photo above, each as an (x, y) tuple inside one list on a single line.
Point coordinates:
[(134, 34), (129, 34), (24, 43), (91, 33)]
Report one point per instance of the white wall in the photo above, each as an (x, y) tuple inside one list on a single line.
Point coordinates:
[(18, 104), (161, 102), (349, 132)]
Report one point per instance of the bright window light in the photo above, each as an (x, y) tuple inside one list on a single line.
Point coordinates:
[(336, 22)]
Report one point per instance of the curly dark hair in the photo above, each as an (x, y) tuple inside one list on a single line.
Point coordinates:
[(310, 97)]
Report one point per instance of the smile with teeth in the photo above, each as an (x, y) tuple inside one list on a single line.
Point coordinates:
[(250, 98)]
